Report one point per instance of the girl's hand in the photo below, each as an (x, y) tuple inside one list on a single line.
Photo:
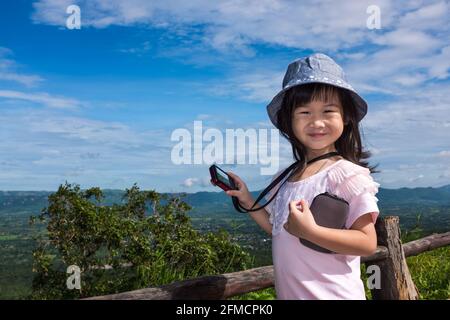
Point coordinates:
[(243, 195), (300, 223)]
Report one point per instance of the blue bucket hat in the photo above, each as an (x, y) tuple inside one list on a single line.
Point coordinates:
[(316, 68)]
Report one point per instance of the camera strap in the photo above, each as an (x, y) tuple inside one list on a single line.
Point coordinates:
[(291, 169)]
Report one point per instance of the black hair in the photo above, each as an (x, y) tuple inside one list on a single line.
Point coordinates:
[(349, 143)]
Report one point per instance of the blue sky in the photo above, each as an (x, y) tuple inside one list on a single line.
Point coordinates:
[(97, 106)]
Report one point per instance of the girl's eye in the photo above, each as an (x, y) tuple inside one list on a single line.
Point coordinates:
[(304, 112)]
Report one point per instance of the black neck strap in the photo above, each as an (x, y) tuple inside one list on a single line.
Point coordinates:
[(326, 155), (291, 169)]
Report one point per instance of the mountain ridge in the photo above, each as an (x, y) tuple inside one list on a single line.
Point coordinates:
[(405, 196)]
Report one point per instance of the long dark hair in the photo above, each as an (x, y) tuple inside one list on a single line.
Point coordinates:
[(349, 143)]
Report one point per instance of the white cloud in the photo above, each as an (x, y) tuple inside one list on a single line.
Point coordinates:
[(444, 154), (441, 64), (9, 70), (189, 182), (5, 51), (410, 134), (41, 148), (27, 80), (255, 86), (140, 50), (426, 17), (414, 179), (234, 23), (409, 39), (41, 98), (423, 116)]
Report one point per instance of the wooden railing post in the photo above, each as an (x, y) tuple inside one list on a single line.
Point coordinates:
[(396, 282)]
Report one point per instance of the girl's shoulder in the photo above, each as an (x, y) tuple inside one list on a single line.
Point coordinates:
[(343, 168), (347, 179)]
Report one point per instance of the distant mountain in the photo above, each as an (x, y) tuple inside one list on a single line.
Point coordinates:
[(410, 196), (211, 202), (387, 198), (19, 201)]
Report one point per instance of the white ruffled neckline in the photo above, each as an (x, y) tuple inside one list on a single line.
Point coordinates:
[(315, 174)]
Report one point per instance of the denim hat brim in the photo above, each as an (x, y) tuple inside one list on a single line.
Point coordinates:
[(275, 105)]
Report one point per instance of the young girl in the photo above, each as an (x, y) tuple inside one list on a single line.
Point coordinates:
[(318, 112)]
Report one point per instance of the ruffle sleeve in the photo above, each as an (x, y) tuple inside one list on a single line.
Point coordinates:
[(355, 184)]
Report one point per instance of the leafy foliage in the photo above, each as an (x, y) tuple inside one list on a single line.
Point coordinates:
[(430, 272), (147, 240)]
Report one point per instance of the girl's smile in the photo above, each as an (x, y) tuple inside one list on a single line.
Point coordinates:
[(317, 135)]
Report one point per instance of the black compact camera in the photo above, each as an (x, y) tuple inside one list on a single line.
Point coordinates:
[(221, 179)]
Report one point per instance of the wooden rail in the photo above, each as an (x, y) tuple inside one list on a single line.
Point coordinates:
[(390, 257)]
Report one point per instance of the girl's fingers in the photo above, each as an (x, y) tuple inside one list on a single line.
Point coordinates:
[(232, 174), (303, 204), (293, 206), (235, 177), (233, 193)]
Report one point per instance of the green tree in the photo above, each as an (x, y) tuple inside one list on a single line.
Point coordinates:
[(147, 240)]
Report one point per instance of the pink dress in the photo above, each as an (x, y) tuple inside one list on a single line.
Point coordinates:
[(303, 273)]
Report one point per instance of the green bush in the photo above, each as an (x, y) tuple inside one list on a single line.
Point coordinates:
[(148, 240), (430, 272)]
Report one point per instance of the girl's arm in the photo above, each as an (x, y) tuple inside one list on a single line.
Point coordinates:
[(359, 240), (261, 217)]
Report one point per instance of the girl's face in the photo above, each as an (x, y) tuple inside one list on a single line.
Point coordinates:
[(318, 124)]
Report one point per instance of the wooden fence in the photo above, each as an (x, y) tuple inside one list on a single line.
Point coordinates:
[(390, 257)]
